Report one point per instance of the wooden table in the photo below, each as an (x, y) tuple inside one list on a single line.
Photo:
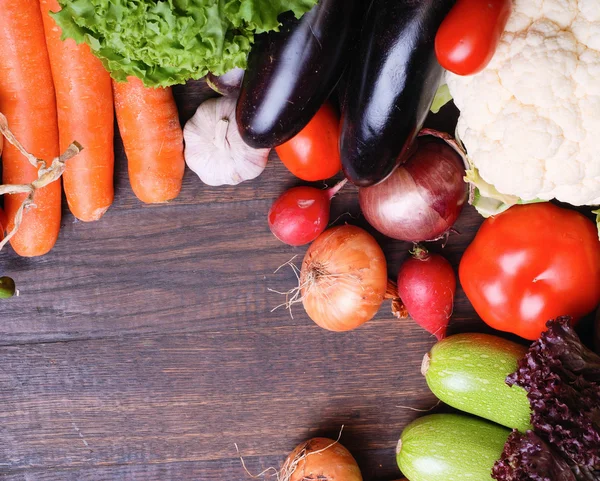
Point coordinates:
[(144, 346)]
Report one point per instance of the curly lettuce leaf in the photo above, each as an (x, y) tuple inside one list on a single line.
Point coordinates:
[(167, 42), (597, 212), (527, 457), (562, 380)]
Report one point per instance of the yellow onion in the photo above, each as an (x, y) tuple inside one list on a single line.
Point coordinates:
[(343, 278), (320, 459)]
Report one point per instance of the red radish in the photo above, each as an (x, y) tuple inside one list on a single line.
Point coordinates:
[(426, 285), (301, 214)]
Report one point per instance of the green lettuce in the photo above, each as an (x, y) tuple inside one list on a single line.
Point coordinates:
[(166, 42)]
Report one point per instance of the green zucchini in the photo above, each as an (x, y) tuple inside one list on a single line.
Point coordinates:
[(468, 372), (450, 447)]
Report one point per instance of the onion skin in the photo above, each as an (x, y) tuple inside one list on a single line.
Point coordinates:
[(423, 198), (343, 278), (333, 463)]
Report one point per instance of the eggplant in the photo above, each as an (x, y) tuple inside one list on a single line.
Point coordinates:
[(392, 82), (227, 84), (291, 73)]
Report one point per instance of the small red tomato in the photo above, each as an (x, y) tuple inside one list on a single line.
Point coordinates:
[(300, 215), (468, 37), (314, 153), (426, 286), (530, 264)]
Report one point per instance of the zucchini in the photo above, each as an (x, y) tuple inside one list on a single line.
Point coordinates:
[(468, 372), (450, 447)]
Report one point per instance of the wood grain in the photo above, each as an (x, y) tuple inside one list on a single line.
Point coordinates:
[(143, 346)]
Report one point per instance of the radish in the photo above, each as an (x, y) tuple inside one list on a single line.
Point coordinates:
[(301, 214), (426, 285)]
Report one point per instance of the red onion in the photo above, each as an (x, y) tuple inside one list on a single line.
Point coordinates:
[(423, 198)]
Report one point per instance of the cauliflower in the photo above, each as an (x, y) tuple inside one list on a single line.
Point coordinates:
[(531, 120)]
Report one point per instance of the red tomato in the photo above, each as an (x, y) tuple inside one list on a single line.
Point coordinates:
[(468, 37), (530, 264), (314, 153)]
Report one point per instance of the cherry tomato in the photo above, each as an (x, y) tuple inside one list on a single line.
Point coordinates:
[(314, 153), (468, 37), (530, 264)]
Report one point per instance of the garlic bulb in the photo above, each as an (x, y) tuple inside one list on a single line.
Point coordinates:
[(214, 149)]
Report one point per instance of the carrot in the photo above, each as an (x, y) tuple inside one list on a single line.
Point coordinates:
[(3, 220), (28, 101), (85, 114), (153, 139)]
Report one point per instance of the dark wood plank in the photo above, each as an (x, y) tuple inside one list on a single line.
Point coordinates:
[(371, 462), (190, 397)]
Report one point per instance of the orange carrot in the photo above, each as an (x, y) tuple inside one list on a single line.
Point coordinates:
[(28, 101), (85, 114), (153, 139), (3, 220)]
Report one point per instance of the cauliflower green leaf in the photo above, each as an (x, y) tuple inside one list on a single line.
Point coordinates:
[(166, 42), (442, 97), (486, 199)]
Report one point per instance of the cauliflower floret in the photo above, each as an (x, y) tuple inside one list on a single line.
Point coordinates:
[(531, 120)]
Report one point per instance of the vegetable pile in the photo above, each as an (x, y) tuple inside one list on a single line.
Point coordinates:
[(342, 87), (549, 395), (530, 119)]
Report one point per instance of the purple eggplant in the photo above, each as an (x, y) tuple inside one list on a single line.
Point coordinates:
[(291, 73), (392, 82)]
